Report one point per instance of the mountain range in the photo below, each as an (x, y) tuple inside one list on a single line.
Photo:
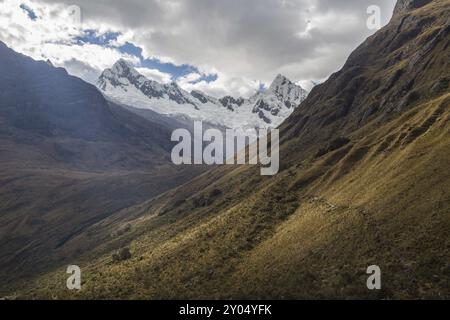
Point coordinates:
[(364, 180), (123, 84)]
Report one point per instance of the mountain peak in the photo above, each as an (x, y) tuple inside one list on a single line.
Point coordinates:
[(281, 77), (120, 71), (123, 62), (122, 66), (283, 86), (280, 80)]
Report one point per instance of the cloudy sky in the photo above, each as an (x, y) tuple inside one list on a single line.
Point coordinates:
[(218, 46)]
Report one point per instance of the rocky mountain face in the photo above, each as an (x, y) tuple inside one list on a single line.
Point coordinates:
[(364, 181), (122, 75), (270, 108), (281, 95)]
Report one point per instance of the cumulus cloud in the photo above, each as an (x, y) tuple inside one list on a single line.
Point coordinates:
[(243, 42), (155, 75), (222, 86), (52, 35)]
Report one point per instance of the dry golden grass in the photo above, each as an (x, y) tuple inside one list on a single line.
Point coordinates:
[(388, 208)]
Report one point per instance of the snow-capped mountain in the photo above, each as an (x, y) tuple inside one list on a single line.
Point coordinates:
[(123, 84)]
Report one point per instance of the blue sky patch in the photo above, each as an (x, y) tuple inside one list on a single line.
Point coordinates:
[(207, 78), (92, 37), (262, 87), (175, 71)]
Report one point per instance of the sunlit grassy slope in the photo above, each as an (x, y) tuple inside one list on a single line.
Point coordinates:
[(381, 200)]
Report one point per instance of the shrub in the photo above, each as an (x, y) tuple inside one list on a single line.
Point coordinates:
[(122, 255), (332, 146), (215, 193), (206, 200), (201, 202)]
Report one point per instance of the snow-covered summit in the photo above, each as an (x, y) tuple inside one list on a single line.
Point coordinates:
[(280, 100), (123, 82)]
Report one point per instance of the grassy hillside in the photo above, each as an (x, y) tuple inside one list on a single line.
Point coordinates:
[(371, 203), (364, 180)]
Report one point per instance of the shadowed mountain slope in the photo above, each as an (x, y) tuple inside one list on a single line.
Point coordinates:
[(68, 159)]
